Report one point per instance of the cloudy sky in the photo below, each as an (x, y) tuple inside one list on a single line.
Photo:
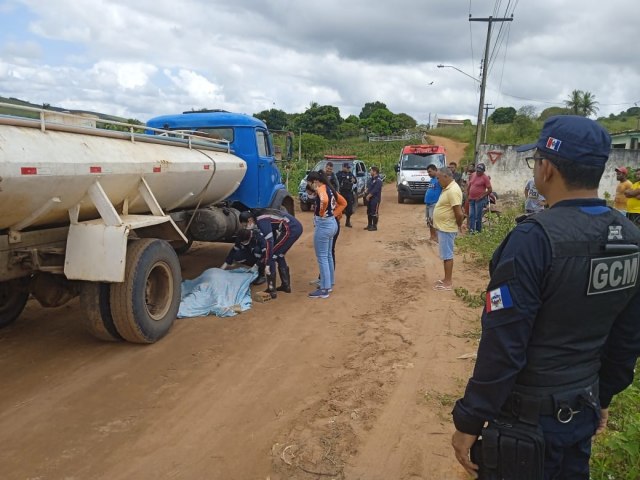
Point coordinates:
[(144, 58)]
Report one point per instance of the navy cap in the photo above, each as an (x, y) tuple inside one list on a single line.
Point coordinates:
[(573, 138), (346, 165)]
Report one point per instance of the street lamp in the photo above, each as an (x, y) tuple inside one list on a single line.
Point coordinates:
[(456, 68)]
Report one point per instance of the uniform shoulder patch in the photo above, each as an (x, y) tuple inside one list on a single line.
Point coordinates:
[(498, 299)]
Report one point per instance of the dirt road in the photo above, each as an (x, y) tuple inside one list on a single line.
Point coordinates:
[(358, 386)]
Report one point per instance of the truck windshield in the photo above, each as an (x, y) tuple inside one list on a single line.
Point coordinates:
[(412, 161), (217, 133)]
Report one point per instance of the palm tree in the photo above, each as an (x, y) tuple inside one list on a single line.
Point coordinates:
[(574, 101), (588, 105), (582, 103)]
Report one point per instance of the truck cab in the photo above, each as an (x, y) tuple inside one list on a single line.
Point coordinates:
[(249, 139), (412, 177)]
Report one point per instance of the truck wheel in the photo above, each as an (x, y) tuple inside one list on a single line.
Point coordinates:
[(400, 199), (97, 319), (145, 305), (305, 207), (13, 298)]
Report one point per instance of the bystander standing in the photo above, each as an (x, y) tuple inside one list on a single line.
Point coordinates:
[(447, 219), (633, 200), (431, 197), (620, 202)]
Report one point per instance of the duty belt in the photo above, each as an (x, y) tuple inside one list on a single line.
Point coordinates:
[(562, 405)]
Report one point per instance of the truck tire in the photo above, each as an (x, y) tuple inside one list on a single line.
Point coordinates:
[(145, 305), (400, 198), (13, 298), (305, 207), (97, 318)]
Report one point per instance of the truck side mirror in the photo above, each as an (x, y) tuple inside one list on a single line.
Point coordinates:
[(360, 174), (397, 168)]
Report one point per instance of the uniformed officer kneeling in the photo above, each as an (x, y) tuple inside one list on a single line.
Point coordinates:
[(561, 329)]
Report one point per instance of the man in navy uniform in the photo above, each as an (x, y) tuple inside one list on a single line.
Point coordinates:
[(281, 230), (373, 195), (561, 329), (250, 249), (346, 181)]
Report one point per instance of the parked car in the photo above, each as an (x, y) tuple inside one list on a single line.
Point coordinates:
[(358, 168)]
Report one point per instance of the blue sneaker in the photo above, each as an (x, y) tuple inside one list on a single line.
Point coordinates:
[(319, 293)]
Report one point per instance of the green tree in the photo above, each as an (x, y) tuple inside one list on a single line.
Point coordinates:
[(348, 129), (404, 122), (320, 120), (523, 128), (503, 115), (553, 111), (582, 103), (352, 119), (574, 101), (379, 122), (312, 145), (588, 105), (528, 111), (274, 118), (371, 107)]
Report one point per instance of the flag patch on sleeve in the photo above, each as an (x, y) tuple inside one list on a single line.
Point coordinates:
[(498, 299)]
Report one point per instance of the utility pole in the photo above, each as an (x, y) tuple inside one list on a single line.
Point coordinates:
[(485, 70), (487, 107)]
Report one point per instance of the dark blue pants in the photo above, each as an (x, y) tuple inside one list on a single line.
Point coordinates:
[(568, 445), (476, 208), (372, 207), (283, 243)]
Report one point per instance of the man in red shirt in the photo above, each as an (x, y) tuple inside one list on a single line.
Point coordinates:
[(478, 189)]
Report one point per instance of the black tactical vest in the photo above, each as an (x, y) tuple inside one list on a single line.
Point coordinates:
[(593, 276)]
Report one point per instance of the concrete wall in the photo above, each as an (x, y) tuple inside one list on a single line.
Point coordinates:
[(510, 173)]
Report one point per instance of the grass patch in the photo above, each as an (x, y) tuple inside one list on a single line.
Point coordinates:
[(442, 399), (616, 452), (472, 300), (470, 334), (482, 245)]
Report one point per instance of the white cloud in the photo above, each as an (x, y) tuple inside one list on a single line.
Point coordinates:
[(151, 57), (127, 76), (197, 87)]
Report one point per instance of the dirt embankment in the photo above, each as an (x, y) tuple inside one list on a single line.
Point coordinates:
[(358, 386)]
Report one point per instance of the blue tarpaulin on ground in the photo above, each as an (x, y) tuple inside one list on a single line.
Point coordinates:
[(218, 292)]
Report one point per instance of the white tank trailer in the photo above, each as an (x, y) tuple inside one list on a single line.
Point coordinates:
[(99, 213)]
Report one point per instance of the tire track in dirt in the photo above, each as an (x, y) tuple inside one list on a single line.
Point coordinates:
[(350, 432)]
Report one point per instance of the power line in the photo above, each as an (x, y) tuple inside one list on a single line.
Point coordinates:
[(485, 70)]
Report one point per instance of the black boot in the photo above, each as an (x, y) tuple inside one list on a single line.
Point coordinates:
[(374, 224), (368, 227), (271, 285), (285, 279), (261, 278), (348, 224)]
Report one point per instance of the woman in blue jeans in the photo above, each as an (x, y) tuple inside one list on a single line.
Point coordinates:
[(326, 227)]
